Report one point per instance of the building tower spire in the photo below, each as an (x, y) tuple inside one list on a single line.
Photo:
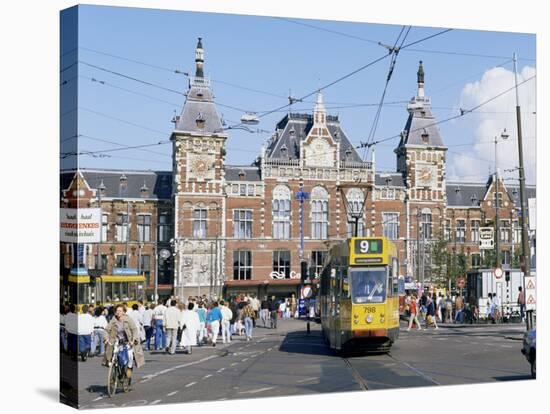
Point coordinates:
[(319, 111), (199, 59), (420, 80)]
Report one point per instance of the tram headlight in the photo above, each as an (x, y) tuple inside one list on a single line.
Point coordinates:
[(369, 319), (382, 318), (356, 321)]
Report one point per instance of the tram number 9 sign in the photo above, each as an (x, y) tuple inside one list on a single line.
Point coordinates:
[(366, 246)]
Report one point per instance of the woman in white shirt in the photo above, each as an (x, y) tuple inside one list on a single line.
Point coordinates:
[(190, 323)]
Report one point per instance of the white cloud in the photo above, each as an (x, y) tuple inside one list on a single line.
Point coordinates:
[(474, 161)]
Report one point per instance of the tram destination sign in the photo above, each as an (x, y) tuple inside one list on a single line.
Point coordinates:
[(367, 246)]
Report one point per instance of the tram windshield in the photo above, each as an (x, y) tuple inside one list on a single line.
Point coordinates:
[(368, 285)]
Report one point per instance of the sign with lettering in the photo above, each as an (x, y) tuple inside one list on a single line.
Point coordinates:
[(486, 237), (80, 225), (281, 275)]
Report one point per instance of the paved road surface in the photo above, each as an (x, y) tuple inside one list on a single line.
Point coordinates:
[(288, 361)]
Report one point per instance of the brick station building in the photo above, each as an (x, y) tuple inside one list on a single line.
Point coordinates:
[(237, 228)]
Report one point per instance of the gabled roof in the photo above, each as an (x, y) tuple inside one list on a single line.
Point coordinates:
[(470, 194), (465, 195), (389, 179), (251, 173), (294, 128), (158, 183)]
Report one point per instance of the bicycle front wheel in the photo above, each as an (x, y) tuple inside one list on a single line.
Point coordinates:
[(112, 378)]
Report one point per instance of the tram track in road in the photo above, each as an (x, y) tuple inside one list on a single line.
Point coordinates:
[(373, 371), (356, 375)]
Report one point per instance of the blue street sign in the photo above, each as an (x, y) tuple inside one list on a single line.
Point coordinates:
[(302, 307), (302, 195)]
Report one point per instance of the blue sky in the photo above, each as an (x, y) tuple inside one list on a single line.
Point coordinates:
[(274, 56)]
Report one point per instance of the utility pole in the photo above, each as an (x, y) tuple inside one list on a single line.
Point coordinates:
[(498, 200), (525, 248), (418, 274), (127, 264)]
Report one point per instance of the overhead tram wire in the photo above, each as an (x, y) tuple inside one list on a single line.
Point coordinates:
[(409, 50), (327, 30), (462, 113), (345, 76), (394, 52), (68, 154)]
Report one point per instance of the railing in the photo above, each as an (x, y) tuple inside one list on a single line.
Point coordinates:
[(282, 161), (357, 164)]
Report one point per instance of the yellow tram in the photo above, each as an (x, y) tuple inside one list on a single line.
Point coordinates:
[(123, 286), (359, 295)]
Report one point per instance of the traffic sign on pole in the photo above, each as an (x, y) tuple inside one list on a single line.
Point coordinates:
[(486, 237), (498, 272), (530, 293)]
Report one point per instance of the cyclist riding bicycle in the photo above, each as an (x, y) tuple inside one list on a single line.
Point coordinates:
[(123, 329)]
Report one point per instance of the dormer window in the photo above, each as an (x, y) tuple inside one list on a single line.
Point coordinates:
[(425, 137), (292, 131), (123, 186), (284, 150), (473, 199), (242, 175), (348, 154), (200, 121), (101, 188), (144, 190)]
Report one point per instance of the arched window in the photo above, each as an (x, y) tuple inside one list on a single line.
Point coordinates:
[(355, 198), (281, 212), (319, 213)]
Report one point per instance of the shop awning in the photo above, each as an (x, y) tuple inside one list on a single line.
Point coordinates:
[(257, 282), (79, 279), (121, 278)]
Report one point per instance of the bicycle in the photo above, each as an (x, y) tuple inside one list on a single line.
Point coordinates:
[(117, 370)]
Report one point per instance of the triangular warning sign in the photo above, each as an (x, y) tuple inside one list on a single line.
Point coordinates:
[(530, 285), (531, 300)]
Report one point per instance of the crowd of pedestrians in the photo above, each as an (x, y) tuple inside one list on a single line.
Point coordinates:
[(429, 309), (172, 324)]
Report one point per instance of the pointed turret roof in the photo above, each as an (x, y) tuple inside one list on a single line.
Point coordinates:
[(199, 114), (420, 129)]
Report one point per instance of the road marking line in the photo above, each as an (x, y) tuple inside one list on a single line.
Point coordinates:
[(97, 399), (234, 363), (155, 402), (308, 379), (207, 376), (221, 370), (156, 374), (256, 391), (191, 384), (171, 393), (244, 360), (506, 346)]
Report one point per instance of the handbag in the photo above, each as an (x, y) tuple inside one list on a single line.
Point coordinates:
[(122, 356)]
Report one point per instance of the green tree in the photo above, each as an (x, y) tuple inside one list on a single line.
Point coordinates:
[(440, 257)]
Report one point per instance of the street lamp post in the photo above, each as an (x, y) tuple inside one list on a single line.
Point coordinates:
[(526, 251), (498, 200)]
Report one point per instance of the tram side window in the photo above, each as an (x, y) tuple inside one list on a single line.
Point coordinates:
[(395, 275), (345, 291)]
